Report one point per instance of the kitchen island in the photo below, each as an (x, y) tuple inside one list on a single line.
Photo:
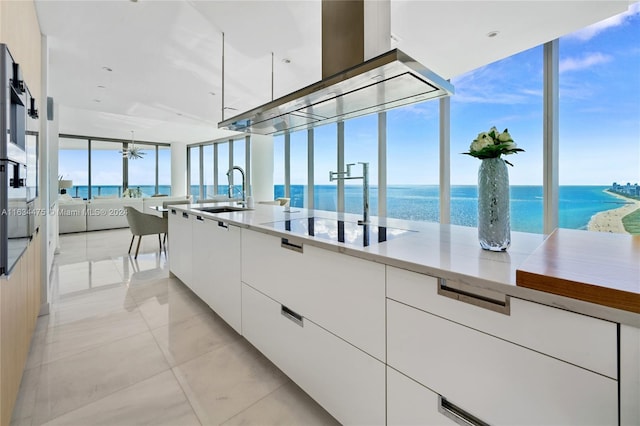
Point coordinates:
[(375, 324)]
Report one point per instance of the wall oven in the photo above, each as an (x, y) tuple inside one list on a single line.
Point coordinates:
[(16, 200)]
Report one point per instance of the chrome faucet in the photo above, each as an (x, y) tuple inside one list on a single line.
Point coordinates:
[(229, 175), (365, 187)]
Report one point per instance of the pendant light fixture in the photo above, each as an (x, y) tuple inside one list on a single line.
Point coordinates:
[(132, 151)]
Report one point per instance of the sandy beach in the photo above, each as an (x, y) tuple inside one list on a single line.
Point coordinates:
[(611, 220)]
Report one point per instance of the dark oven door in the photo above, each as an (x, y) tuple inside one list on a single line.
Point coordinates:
[(16, 214)]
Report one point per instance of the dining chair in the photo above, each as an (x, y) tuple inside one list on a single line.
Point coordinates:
[(145, 224)]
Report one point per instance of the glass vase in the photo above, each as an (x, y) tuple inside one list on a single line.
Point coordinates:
[(494, 230)]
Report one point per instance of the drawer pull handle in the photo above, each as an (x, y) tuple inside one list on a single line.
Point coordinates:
[(500, 306), (284, 243), (223, 225), (291, 315), (185, 215), (457, 414), (199, 218), (173, 211)]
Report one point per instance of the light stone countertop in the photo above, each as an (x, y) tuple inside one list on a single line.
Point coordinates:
[(445, 251)]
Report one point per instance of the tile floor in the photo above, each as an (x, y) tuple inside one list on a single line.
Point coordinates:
[(125, 344)]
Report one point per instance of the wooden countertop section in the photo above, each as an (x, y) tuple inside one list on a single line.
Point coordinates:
[(595, 267)]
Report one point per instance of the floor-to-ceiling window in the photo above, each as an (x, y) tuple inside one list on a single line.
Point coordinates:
[(325, 151), (298, 168), (164, 170), (208, 189), (361, 146), (106, 169), (194, 172), (101, 167), (73, 164), (413, 162), (142, 170), (599, 141), (506, 94), (278, 166), (223, 168), (599, 126)]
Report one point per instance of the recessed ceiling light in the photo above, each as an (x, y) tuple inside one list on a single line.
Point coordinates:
[(286, 60), (493, 34), (107, 69)]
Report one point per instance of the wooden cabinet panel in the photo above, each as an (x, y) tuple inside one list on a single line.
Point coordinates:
[(495, 380), (341, 293), (585, 341), (347, 382), (19, 307)]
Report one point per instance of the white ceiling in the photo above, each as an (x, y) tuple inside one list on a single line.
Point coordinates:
[(166, 56)]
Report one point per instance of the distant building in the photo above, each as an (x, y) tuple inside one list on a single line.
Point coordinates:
[(628, 189)]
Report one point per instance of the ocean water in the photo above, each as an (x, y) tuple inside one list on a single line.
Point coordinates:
[(577, 204)]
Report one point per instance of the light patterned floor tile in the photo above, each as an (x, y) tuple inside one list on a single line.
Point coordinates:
[(288, 405), (157, 401), (185, 340), (228, 380), (70, 383)]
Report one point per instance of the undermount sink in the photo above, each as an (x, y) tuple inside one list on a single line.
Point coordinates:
[(221, 209)]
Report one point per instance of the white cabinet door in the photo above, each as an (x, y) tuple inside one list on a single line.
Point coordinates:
[(201, 257), (496, 381), (180, 246), (629, 375), (341, 293), (347, 382), (216, 266), (411, 404)]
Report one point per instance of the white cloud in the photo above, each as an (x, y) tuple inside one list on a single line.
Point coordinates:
[(593, 30), (587, 61)]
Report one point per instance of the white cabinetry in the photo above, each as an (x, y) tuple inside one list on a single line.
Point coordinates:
[(347, 382), (527, 364), (216, 267), (205, 255), (578, 339), (180, 248), (629, 375), (411, 404), (343, 294)]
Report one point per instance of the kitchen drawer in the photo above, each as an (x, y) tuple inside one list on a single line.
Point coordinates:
[(411, 404), (495, 380), (578, 339), (342, 294), (347, 382)]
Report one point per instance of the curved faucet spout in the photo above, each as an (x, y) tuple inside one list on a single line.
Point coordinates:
[(229, 175)]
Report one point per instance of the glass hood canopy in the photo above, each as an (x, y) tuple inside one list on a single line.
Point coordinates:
[(390, 80)]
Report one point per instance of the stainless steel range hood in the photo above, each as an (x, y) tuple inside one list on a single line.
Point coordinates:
[(387, 81)]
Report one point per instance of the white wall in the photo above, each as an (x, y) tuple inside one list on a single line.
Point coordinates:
[(178, 169)]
